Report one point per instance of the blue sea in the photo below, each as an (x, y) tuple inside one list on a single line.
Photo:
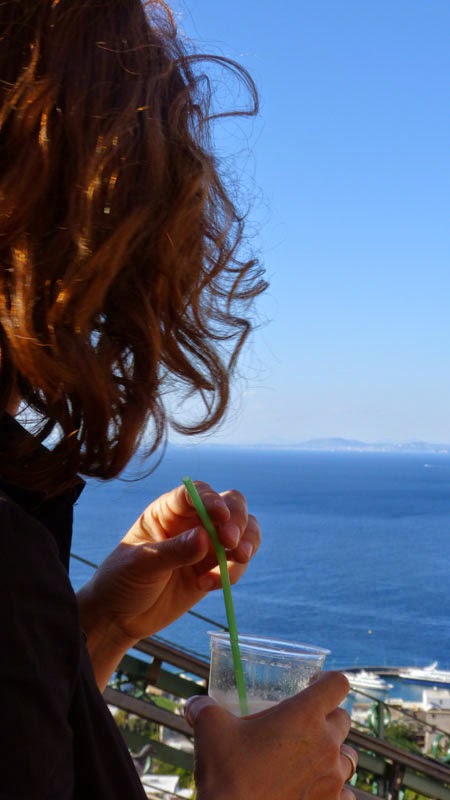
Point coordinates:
[(355, 553)]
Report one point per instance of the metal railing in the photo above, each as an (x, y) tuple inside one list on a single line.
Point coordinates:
[(384, 770), (153, 681)]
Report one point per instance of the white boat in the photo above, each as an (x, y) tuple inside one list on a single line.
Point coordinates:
[(367, 680), (429, 674)]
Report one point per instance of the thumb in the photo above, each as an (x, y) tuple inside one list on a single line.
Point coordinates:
[(196, 705), (181, 551)]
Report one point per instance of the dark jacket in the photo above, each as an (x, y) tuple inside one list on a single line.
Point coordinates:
[(58, 738)]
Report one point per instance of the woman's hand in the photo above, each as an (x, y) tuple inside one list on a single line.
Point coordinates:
[(289, 752), (163, 566)]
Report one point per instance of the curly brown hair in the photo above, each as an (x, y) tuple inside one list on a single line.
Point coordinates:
[(119, 243)]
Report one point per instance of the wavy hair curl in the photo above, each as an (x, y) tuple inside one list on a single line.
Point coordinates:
[(119, 243)]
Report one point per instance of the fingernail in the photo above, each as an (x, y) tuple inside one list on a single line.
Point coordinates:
[(222, 506), (191, 535), (247, 549), (230, 534)]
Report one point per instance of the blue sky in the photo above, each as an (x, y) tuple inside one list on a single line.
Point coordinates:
[(348, 165)]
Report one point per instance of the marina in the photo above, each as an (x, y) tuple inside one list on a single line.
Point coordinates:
[(405, 682), (429, 674), (364, 679), (419, 705)]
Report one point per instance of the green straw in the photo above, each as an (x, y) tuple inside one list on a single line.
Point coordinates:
[(227, 596)]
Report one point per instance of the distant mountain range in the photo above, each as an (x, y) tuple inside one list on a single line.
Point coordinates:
[(354, 445), (333, 445)]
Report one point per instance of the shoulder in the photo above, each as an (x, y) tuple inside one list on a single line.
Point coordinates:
[(34, 584), (25, 541)]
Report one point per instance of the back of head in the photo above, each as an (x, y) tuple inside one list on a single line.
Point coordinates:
[(119, 270)]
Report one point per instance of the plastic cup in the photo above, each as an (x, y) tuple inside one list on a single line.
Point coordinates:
[(273, 670)]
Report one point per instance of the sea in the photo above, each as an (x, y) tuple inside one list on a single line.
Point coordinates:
[(355, 554)]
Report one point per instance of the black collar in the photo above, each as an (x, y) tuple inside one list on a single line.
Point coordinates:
[(56, 513)]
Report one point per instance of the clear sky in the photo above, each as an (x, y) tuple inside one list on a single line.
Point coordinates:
[(349, 167)]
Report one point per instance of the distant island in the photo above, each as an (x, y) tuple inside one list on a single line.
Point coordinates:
[(336, 444), (329, 445)]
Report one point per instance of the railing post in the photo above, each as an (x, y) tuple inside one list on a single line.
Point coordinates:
[(396, 780), (380, 706), (382, 786)]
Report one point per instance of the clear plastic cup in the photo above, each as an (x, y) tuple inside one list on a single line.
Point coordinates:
[(273, 670)]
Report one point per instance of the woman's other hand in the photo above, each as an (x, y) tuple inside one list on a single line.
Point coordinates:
[(289, 752)]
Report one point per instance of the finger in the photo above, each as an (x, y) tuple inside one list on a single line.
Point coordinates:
[(211, 580), (208, 572), (319, 699), (216, 505), (349, 762), (184, 550), (311, 707), (229, 534), (169, 514), (201, 705), (346, 794), (249, 543), (238, 520), (340, 720), (328, 691), (227, 510)]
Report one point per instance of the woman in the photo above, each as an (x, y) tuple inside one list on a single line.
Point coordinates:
[(120, 281)]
